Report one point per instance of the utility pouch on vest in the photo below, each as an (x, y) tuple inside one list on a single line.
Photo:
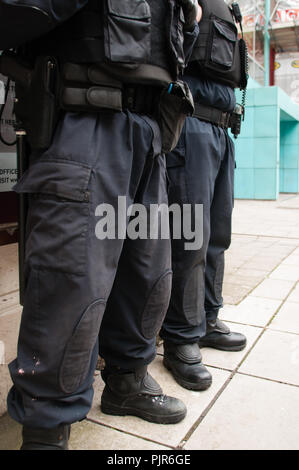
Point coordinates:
[(35, 106), (176, 103), (127, 31), (219, 54), (223, 43)]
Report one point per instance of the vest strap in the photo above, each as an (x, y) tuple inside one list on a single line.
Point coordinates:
[(88, 88)]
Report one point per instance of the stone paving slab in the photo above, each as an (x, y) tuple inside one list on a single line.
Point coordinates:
[(9, 281), (250, 414), (9, 327), (8, 301), (287, 318), (273, 289), (92, 436), (267, 218), (294, 295), (288, 272), (251, 259), (85, 435), (256, 311), (10, 433), (275, 357)]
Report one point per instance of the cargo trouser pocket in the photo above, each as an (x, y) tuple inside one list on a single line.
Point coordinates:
[(58, 216), (75, 363), (156, 306), (127, 31)]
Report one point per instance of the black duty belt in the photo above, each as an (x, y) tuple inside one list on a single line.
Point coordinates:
[(88, 88), (213, 115)]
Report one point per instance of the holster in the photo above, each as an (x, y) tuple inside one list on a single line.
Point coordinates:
[(176, 103), (36, 106)]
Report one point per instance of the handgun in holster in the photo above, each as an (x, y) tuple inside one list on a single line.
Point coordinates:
[(36, 113)]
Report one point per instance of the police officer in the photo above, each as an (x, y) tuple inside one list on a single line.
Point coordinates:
[(114, 59), (201, 171)]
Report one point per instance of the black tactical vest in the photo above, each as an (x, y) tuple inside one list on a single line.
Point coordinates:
[(218, 54), (126, 34)]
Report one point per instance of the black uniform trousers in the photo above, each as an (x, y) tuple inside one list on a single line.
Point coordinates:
[(200, 171), (76, 275)]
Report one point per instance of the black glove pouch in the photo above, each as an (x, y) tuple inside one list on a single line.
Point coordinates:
[(176, 103)]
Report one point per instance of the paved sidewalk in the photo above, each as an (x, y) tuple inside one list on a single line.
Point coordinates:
[(253, 402)]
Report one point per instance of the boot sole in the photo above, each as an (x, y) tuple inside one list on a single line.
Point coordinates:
[(112, 409), (201, 386), (222, 348)]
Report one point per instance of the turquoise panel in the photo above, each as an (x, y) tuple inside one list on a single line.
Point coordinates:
[(247, 126), (244, 183), (290, 133), (284, 127), (265, 96), (266, 121), (253, 83), (288, 106), (266, 183), (289, 156), (290, 181), (281, 181), (244, 153), (266, 152)]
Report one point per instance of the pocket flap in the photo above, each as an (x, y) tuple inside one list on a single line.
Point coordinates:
[(64, 179), (225, 31), (134, 9)]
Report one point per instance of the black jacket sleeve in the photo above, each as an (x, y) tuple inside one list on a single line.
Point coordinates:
[(24, 20)]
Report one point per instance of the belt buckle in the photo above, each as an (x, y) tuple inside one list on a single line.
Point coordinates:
[(129, 98)]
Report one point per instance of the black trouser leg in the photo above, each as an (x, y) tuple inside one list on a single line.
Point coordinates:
[(93, 160), (199, 170), (140, 296), (220, 236)]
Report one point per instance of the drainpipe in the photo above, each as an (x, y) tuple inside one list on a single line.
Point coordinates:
[(267, 44)]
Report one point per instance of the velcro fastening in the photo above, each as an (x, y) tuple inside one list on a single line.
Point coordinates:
[(217, 326), (104, 97), (188, 353), (91, 99)]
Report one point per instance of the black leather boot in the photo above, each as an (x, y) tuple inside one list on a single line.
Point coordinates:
[(137, 393), (185, 363), (46, 439), (219, 336)]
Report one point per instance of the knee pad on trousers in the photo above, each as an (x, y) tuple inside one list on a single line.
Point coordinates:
[(193, 297), (156, 306), (76, 360)]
